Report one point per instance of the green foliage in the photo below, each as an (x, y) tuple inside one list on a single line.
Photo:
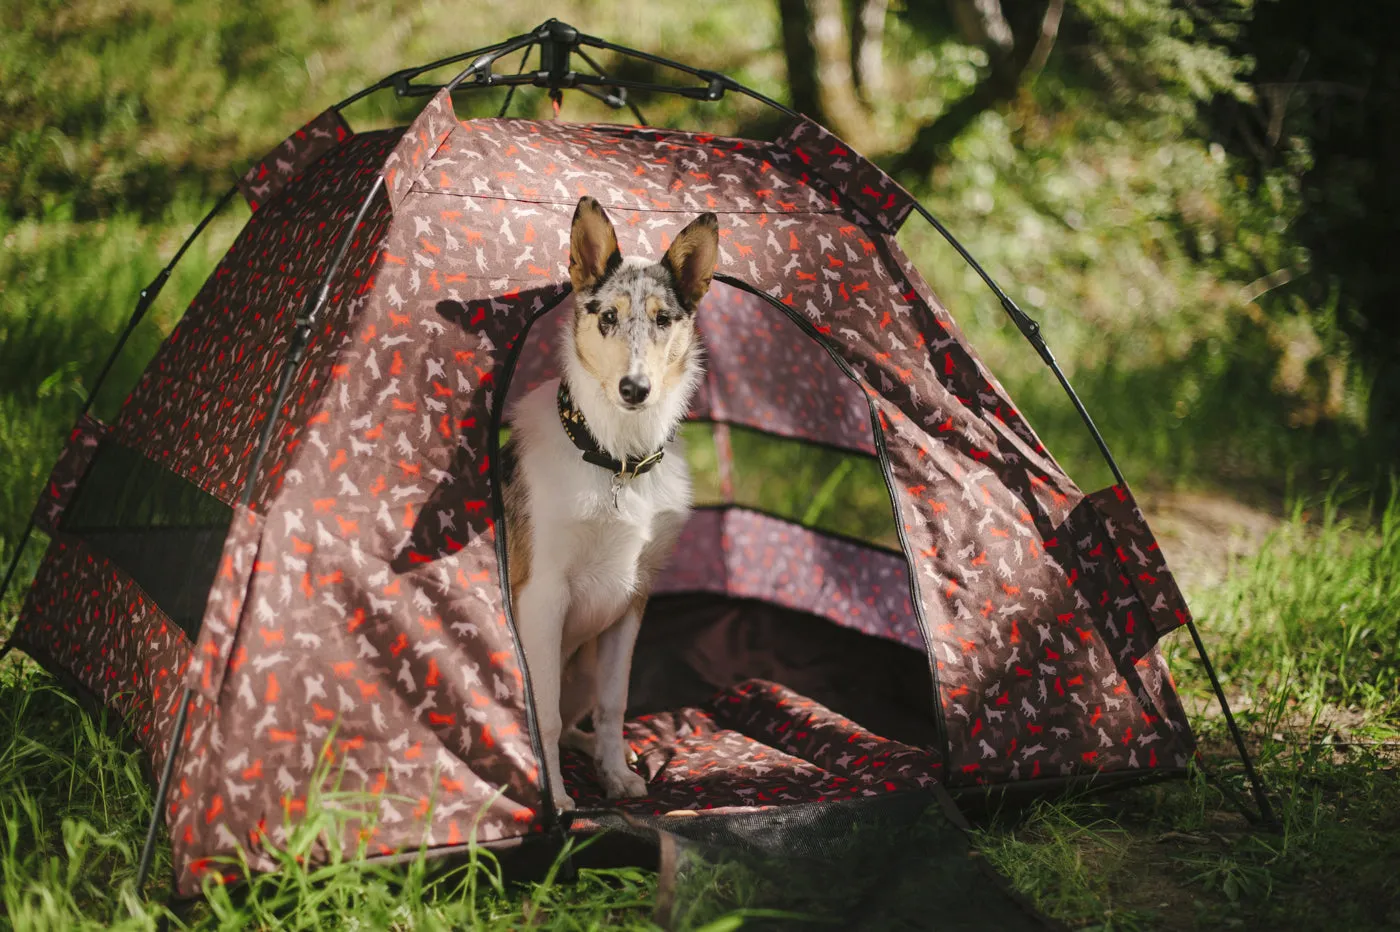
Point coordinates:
[(1067, 858), (828, 489), (1158, 57), (92, 92)]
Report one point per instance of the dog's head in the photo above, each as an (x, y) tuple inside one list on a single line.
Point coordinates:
[(634, 321)]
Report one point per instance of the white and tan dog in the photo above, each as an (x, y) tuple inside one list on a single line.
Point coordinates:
[(596, 486)]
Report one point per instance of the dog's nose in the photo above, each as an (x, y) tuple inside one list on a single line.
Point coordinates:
[(634, 391)]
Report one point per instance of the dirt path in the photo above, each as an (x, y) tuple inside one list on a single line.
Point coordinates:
[(1203, 533)]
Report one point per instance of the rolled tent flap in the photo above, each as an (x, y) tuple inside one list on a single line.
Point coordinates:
[(425, 135), (1139, 560), (858, 186), (68, 472)]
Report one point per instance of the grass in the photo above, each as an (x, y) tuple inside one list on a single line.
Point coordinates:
[(1131, 242), (1304, 634), (73, 806)]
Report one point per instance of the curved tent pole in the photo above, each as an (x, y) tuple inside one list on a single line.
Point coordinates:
[(144, 301), (296, 351)]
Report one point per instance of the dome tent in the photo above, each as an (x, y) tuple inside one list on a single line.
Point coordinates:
[(288, 549)]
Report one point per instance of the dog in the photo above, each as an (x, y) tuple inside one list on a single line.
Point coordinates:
[(596, 487)]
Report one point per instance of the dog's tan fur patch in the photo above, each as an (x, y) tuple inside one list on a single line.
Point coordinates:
[(514, 497)]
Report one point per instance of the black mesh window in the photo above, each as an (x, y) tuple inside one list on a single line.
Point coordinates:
[(166, 533)]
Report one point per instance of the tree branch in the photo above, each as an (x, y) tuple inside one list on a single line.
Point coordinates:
[(1010, 70), (1045, 42), (818, 53)]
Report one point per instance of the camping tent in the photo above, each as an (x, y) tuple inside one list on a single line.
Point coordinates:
[(287, 550)]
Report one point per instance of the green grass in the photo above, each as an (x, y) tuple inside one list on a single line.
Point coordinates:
[(1304, 635), (73, 808)]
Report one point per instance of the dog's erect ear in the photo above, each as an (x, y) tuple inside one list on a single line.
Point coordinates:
[(691, 258), (593, 252)]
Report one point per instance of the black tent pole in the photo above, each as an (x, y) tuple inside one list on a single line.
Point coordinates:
[(148, 847), (1256, 785), (1031, 330), (296, 350), (14, 560), (143, 304)]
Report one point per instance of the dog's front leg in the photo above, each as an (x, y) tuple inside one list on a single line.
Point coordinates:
[(541, 608), (614, 668)]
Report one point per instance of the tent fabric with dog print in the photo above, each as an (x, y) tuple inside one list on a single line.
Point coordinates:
[(352, 619)]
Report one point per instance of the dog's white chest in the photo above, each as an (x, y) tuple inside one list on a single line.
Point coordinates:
[(602, 573)]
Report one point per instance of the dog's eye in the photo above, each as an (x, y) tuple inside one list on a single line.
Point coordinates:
[(663, 321), (608, 317)]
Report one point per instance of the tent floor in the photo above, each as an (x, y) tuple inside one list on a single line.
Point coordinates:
[(719, 722)]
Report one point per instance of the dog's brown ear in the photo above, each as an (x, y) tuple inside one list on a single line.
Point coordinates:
[(691, 258), (593, 252)]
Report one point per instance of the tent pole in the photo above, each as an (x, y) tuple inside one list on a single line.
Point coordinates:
[(148, 848), (301, 337), (14, 560), (149, 294), (144, 301), (1256, 785), (1030, 328)]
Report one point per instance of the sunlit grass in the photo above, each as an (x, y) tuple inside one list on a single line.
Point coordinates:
[(1304, 635)]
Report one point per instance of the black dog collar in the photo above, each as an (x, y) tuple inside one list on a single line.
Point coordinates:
[(577, 429)]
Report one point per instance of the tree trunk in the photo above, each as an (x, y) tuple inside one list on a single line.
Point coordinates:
[(800, 51), (839, 101), (818, 52), (868, 48), (983, 23)]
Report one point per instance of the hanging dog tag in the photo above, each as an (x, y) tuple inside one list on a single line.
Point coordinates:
[(616, 488)]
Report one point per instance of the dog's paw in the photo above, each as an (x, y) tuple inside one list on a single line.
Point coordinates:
[(562, 800), (623, 785)]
